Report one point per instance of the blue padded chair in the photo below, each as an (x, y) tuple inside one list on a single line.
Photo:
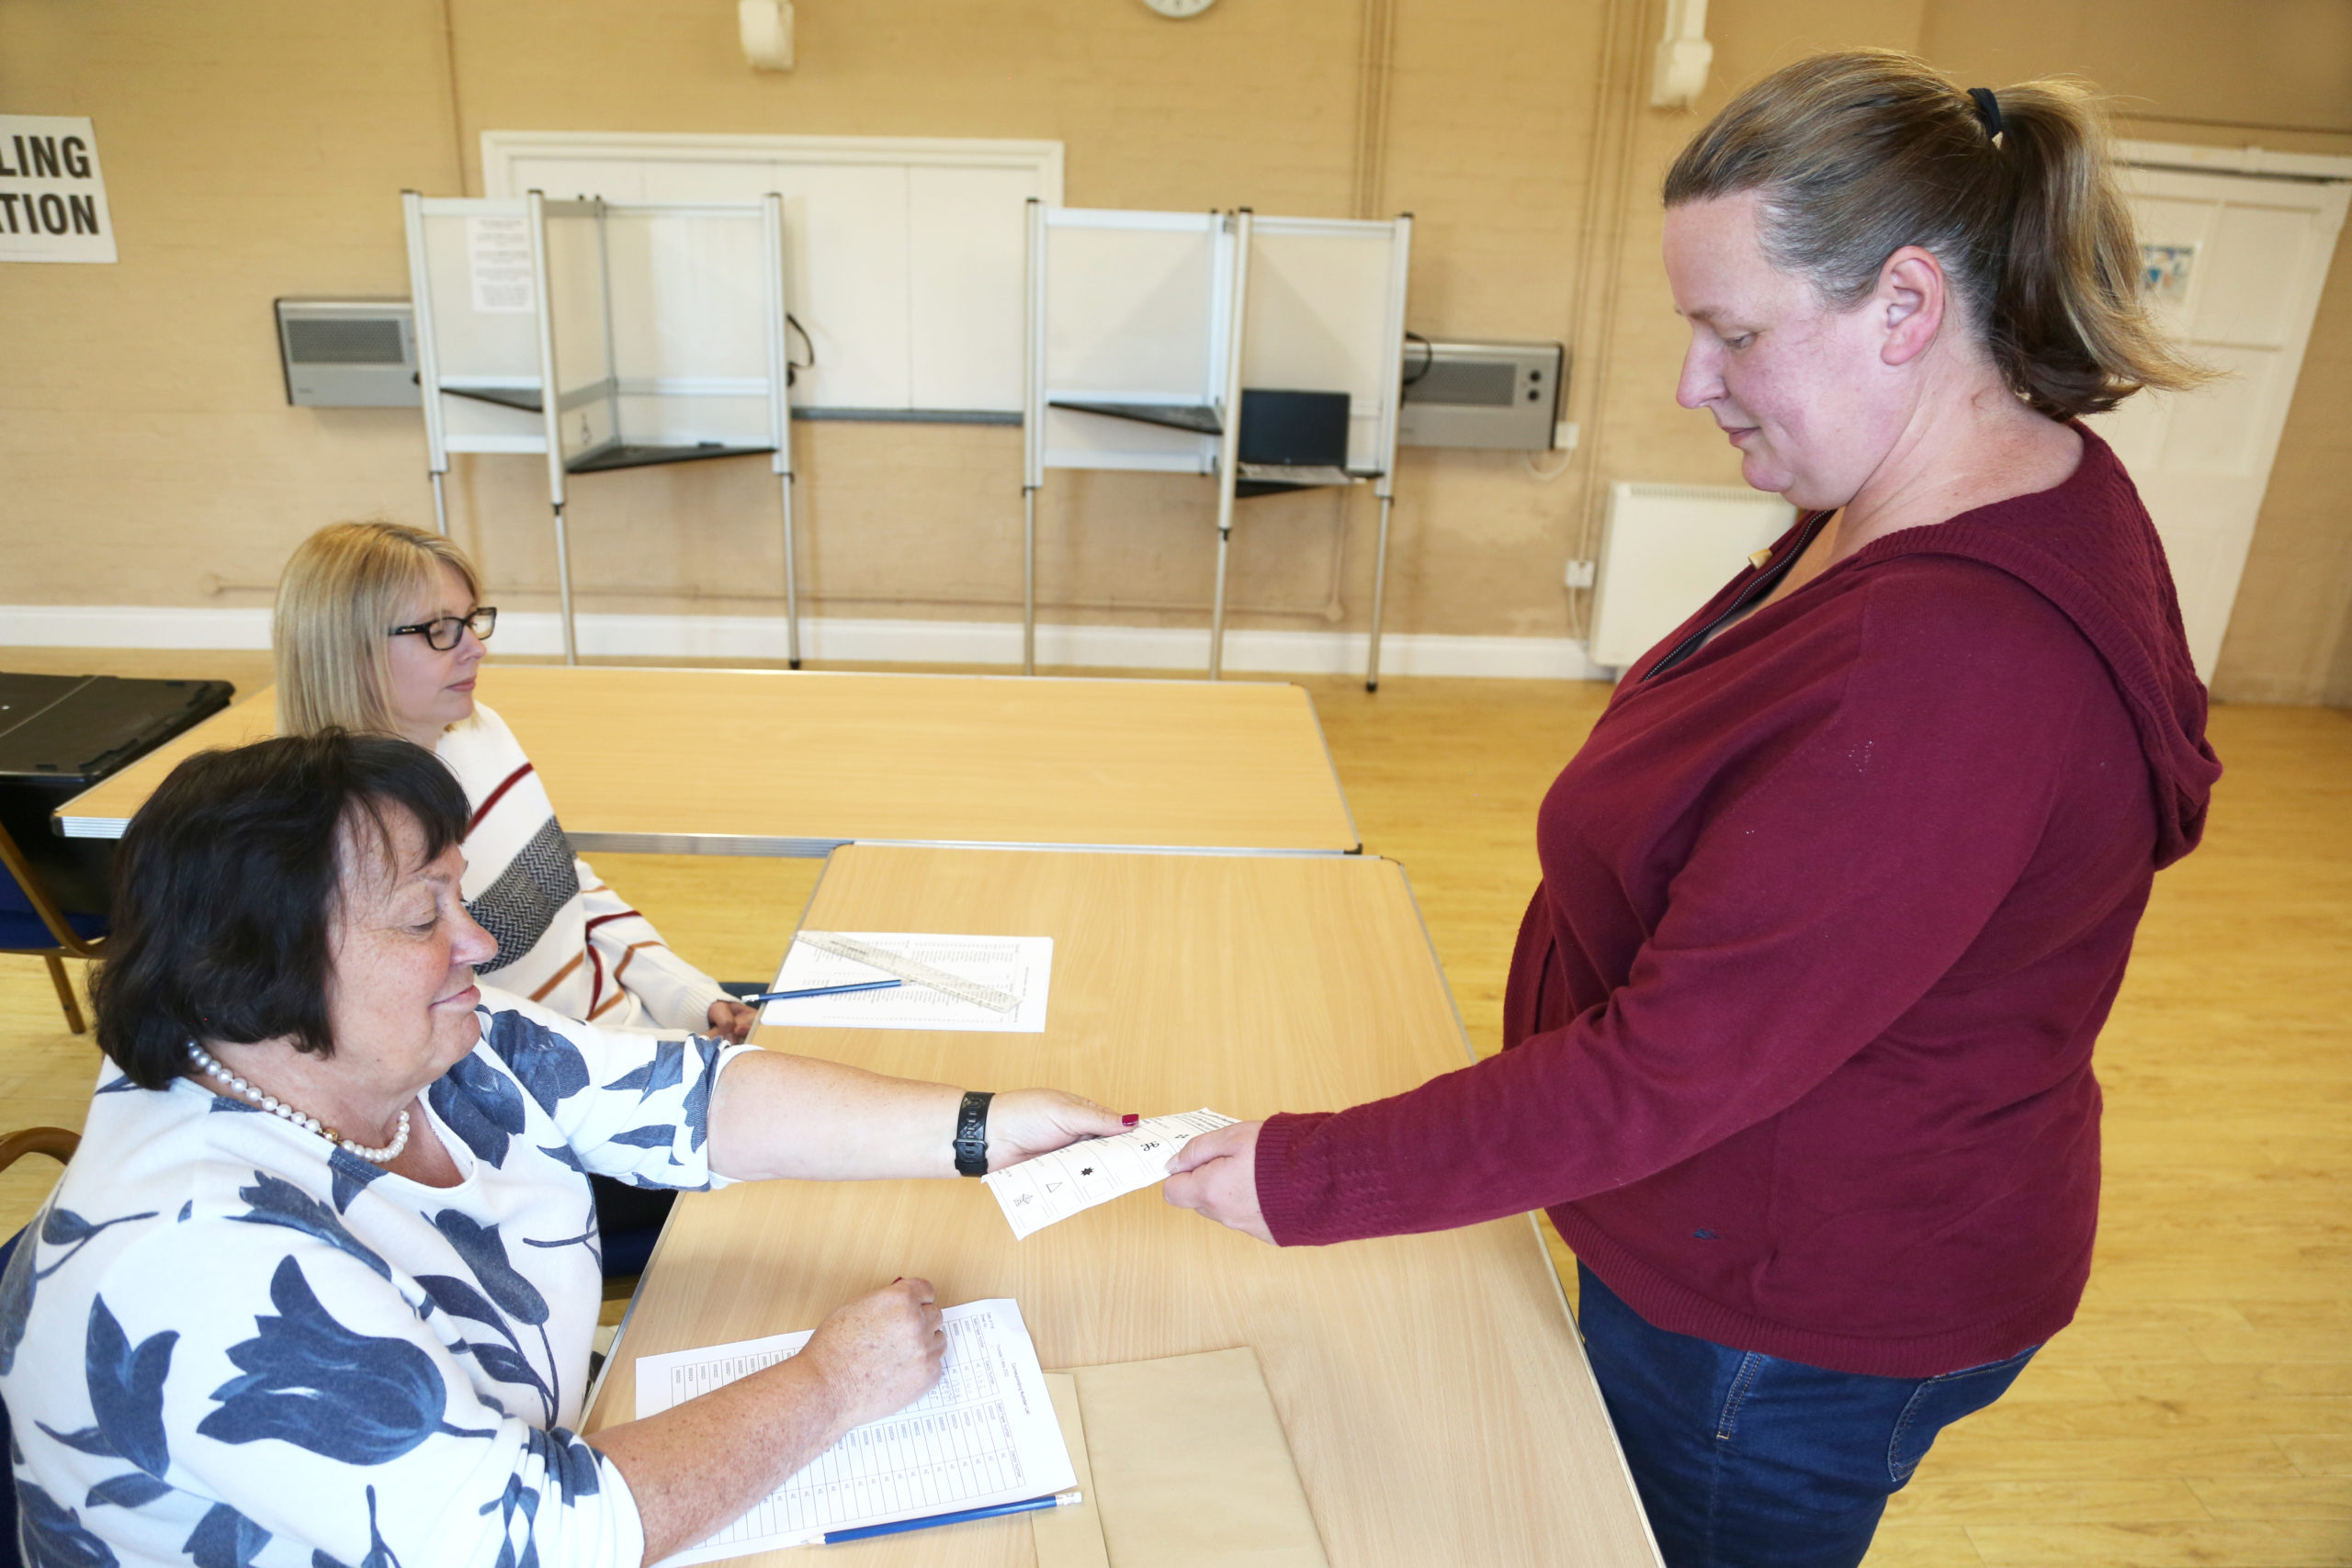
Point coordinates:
[(30, 922), (58, 1142)]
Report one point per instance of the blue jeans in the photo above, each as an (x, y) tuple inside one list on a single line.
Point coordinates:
[(1746, 1460)]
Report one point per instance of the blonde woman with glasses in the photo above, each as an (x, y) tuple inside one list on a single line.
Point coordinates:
[(381, 629)]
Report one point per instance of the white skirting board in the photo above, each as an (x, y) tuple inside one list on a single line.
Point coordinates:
[(874, 641)]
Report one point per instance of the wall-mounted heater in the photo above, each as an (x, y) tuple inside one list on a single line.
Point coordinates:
[(348, 354), (1665, 551), (1496, 395)]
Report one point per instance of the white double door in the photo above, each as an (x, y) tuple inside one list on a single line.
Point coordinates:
[(2234, 264)]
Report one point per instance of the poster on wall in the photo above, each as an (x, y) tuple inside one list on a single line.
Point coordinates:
[(52, 197)]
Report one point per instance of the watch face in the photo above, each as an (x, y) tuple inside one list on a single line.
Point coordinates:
[(1180, 9)]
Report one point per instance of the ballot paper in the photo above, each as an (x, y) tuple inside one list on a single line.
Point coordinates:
[(986, 1433), (1037, 1192), (1020, 966)]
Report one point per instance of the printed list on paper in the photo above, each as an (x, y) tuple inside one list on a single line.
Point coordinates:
[(1020, 966), (985, 1433), (498, 253), (1037, 1192)]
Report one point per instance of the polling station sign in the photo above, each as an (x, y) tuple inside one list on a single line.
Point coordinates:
[(52, 197)]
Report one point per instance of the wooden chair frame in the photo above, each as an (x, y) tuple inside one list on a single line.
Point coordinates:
[(70, 944), (55, 1142)]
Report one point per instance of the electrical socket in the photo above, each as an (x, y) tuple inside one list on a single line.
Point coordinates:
[(1579, 574)]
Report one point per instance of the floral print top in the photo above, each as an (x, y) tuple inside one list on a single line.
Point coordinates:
[(223, 1343)]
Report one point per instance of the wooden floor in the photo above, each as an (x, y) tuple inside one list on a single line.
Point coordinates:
[(2199, 1410)]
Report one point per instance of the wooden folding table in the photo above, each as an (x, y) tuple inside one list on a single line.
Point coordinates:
[(1432, 1388), (783, 762)]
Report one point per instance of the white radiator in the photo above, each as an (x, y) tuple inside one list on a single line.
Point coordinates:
[(1665, 551)]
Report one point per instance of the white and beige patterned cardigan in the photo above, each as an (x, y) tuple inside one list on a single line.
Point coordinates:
[(565, 940)]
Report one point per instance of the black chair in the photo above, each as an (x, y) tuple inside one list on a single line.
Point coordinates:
[(31, 923), (58, 1143), (630, 1220)]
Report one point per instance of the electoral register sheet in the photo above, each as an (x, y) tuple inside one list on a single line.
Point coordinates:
[(985, 1433)]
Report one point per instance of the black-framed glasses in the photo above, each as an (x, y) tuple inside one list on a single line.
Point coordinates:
[(441, 635)]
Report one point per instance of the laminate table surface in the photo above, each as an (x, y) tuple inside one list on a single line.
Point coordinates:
[(794, 762), (1432, 1389)]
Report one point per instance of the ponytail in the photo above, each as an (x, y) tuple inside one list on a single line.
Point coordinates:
[(1855, 156)]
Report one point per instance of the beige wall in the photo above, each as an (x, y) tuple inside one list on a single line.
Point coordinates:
[(253, 148), (2275, 73)]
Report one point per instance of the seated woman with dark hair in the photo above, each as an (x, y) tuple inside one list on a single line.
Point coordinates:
[(321, 1284)]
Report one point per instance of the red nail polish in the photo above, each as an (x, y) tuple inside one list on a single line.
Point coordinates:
[(1129, 1120)]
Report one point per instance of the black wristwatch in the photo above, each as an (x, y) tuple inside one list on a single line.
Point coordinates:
[(972, 1133)]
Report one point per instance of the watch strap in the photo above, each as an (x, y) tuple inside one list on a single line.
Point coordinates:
[(972, 1133)]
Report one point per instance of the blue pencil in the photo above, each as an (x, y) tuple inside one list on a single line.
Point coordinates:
[(995, 1510), (819, 991)]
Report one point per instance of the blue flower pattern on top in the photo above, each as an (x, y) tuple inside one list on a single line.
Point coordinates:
[(379, 1554), (548, 1066), (126, 1384), (571, 1464), (224, 1538), (310, 1382), (352, 1176), (367, 1341), (125, 1387), (57, 1226), (515, 1297), (667, 1070), (696, 1116), (54, 1535), (481, 1105), (276, 1201)]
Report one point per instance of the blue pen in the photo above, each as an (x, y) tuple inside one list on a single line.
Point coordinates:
[(995, 1510), (819, 991)]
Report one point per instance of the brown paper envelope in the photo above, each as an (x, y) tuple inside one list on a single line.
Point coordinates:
[(1189, 1467), (1071, 1536)]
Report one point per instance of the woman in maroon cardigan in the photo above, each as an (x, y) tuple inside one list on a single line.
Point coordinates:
[(1840, 891)]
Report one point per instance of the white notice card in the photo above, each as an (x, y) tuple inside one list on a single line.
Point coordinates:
[(498, 253), (1021, 967), (985, 1434), (1037, 1192)]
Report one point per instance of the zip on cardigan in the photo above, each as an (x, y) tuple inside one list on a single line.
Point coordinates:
[(1765, 581)]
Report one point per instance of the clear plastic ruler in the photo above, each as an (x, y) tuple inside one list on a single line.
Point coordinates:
[(912, 971)]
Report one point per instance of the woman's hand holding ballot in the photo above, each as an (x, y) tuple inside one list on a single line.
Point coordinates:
[(1216, 1175), (1025, 1123), (801, 1117)]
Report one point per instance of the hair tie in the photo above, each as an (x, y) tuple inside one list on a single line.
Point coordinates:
[(1989, 110)]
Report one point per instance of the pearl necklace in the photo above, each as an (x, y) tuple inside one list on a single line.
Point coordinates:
[(211, 1067)]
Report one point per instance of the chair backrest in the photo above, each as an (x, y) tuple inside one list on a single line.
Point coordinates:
[(10, 1557), (59, 1142), (30, 919)]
